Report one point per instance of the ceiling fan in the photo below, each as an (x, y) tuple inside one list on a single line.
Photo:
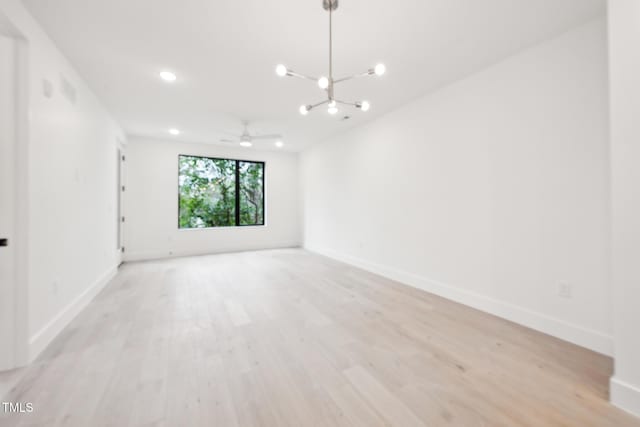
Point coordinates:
[(246, 139)]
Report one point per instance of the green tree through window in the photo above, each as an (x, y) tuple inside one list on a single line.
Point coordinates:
[(251, 193), (220, 192)]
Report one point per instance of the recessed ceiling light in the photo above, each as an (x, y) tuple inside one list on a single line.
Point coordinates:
[(168, 76), (279, 144), (245, 144), (174, 131)]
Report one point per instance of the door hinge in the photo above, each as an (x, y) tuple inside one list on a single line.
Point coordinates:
[(123, 158), (122, 219), (123, 249), (123, 189)]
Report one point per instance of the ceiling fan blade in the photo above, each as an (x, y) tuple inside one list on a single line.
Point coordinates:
[(228, 140), (228, 132), (266, 137)]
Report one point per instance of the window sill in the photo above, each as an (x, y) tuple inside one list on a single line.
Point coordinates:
[(225, 227)]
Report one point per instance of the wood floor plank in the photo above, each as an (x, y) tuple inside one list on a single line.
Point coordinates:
[(386, 404)]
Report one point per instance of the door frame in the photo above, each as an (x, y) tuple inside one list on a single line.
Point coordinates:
[(120, 208)]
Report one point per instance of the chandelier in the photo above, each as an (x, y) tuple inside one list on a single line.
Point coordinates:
[(328, 83)]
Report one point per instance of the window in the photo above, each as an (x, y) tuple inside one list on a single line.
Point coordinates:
[(220, 192)]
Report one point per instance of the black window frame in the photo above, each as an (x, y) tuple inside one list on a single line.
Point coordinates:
[(237, 192)]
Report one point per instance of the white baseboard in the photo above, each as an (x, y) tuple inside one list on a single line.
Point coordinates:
[(625, 396), (47, 334), (158, 255), (575, 334)]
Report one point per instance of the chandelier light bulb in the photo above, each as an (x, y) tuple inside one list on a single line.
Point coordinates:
[(279, 144), (304, 110), (281, 70), (245, 143), (380, 69), (168, 76), (333, 110), (364, 105), (332, 104), (323, 82)]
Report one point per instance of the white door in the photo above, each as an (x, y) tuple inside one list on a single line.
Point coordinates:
[(7, 203)]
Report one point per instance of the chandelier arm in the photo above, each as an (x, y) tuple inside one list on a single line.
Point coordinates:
[(355, 76), (292, 73), (353, 104), (310, 107), (326, 101)]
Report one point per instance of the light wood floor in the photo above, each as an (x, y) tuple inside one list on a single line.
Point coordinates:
[(288, 338)]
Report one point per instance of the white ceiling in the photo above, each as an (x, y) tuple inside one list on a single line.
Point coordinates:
[(225, 52)]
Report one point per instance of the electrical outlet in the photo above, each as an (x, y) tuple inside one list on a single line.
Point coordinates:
[(564, 289)]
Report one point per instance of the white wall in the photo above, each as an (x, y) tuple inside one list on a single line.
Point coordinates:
[(71, 188), (489, 191), (624, 73), (151, 202)]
